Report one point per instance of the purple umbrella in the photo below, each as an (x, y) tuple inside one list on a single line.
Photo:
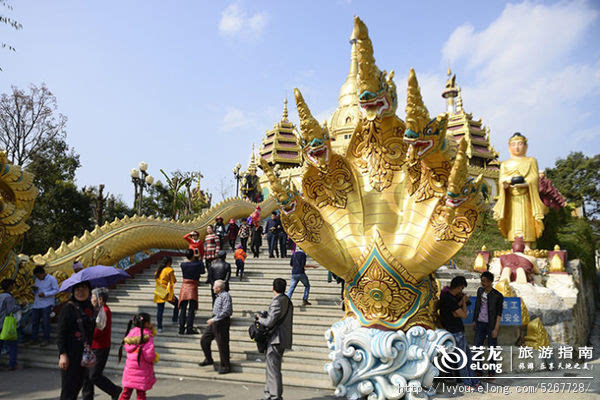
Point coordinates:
[(98, 276)]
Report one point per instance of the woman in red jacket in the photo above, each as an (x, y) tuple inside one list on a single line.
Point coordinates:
[(100, 347)]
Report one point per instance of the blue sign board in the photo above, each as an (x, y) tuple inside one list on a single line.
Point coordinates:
[(511, 311)]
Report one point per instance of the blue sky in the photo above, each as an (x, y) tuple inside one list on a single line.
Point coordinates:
[(190, 85)]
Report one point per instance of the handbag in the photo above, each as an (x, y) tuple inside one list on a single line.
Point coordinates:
[(161, 292), (261, 334), (9, 329), (88, 357)]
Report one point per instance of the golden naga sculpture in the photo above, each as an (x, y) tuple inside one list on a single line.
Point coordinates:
[(105, 245), (519, 210), (391, 211)]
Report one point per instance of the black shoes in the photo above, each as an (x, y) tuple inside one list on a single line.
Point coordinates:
[(306, 303), (205, 363), (224, 371)]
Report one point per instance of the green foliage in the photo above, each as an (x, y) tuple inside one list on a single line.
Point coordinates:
[(577, 177), (61, 211), (488, 234), (116, 208)]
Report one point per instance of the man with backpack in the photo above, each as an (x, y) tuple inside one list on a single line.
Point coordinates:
[(279, 320)]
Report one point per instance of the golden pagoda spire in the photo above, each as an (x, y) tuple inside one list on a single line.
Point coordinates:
[(450, 92), (252, 165), (285, 111), (459, 101)]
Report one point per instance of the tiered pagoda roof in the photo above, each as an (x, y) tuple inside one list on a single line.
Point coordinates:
[(280, 146), (462, 125)]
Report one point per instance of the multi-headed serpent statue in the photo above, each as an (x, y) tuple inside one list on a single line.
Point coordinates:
[(383, 217)]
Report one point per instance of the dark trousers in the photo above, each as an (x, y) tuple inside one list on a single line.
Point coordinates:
[(273, 382), (12, 346), (272, 242), (219, 331), (244, 243), (255, 249), (72, 379), (239, 268), (283, 244), (484, 330), (96, 377), (232, 244), (44, 315), (160, 309), (187, 307)]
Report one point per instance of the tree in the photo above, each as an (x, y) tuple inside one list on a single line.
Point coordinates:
[(61, 211), (27, 121), (176, 182), (10, 22), (577, 177)]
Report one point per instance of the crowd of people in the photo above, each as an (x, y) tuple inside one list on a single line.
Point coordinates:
[(85, 320)]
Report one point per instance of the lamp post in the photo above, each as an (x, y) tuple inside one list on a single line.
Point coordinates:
[(140, 179), (237, 176)]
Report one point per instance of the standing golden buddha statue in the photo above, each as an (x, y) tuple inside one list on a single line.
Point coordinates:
[(519, 210)]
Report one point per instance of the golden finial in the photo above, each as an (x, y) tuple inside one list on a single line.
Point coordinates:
[(367, 70), (458, 175), (417, 115), (556, 247), (285, 111), (309, 126), (484, 248)]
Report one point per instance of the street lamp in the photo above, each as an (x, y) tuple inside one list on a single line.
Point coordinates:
[(237, 176), (140, 179)]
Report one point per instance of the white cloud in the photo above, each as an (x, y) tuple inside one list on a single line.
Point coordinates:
[(524, 76), (235, 119), (235, 22)]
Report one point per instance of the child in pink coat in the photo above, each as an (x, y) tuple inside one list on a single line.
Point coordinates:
[(139, 366)]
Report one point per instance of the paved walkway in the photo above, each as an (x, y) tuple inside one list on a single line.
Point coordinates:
[(44, 384)]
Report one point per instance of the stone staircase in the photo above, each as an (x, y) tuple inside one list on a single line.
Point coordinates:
[(180, 354)]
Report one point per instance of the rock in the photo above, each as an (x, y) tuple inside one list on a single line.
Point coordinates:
[(544, 303)]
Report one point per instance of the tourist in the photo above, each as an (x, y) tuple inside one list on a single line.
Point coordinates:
[(101, 348), (8, 306), (188, 296), (272, 228), (45, 288), (195, 244), (453, 309), (278, 319), (240, 259), (220, 270), (256, 240), (244, 235), (218, 328), (488, 312), (232, 233), (298, 263), (212, 245), (75, 332), (220, 231), (138, 373), (165, 289)]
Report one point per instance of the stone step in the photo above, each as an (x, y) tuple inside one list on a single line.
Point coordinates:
[(205, 309), (250, 375)]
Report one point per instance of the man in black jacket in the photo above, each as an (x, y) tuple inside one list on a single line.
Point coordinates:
[(219, 270), (280, 316), (488, 312)]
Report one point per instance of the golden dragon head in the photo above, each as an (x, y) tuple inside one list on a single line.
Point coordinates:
[(377, 91), (423, 134), (314, 139), (360, 216)]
